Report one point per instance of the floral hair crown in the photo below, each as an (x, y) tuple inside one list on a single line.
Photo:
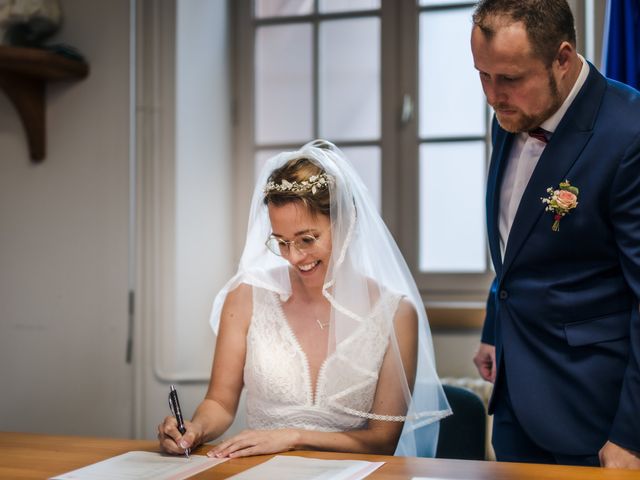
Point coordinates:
[(313, 184)]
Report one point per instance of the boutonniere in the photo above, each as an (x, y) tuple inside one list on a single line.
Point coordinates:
[(560, 201)]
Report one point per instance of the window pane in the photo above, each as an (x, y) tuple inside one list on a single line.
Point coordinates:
[(367, 162), (451, 98), (350, 79), (279, 8), (283, 84), (452, 234), (348, 5)]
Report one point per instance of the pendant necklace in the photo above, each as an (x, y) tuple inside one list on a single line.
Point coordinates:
[(312, 307), (320, 324)]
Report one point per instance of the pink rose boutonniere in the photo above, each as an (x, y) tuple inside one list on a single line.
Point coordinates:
[(560, 201)]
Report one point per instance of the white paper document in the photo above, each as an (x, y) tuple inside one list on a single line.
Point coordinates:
[(143, 466), (302, 468)]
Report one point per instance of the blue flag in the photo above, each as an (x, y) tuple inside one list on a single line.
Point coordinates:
[(622, 42)]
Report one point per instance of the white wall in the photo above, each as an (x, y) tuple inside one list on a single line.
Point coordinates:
[(63, 243)]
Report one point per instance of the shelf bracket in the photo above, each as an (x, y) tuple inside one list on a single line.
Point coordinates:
[(28, 97), (24, 74)]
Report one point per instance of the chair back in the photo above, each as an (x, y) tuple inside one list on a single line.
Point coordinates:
[(462, 435)]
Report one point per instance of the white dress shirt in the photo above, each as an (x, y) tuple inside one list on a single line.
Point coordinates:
[(523, 158)]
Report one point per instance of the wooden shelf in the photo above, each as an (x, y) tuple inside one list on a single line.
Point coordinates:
[(24, 73)]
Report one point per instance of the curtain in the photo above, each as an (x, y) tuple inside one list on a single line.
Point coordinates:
[(622, 42)]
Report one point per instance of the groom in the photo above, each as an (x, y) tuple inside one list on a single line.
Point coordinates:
[(561, 337)]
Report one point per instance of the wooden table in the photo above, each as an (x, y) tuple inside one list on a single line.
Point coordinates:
[(31, 456)]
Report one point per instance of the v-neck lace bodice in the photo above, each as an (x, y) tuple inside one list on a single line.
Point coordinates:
[(277, 377)]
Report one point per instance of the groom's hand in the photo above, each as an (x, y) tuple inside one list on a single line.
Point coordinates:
[(614, 456), (485, 360)]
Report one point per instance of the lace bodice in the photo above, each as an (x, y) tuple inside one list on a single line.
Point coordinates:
[(277, 377)]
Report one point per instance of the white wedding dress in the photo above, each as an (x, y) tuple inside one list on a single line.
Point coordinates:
[(279, 393)]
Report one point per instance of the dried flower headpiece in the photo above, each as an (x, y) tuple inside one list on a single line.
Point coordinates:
[(313, 184)]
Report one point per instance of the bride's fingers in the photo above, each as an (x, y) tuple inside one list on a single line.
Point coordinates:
[(232, 445), (218, 449), (167, 434), (246, 452), (168, 444)]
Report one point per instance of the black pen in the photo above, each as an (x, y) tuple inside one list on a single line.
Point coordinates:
[(174, 406)]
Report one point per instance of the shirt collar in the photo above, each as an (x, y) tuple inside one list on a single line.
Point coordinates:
[(551, 123)]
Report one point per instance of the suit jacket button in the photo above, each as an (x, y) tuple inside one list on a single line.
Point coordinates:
[(503, 295)]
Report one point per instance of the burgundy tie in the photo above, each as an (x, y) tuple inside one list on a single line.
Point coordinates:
[(540, 134)]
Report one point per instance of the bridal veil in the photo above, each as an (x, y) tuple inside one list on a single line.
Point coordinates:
[(363, 254)]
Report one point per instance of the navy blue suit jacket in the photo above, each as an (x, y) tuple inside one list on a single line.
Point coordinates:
[(563, 308)]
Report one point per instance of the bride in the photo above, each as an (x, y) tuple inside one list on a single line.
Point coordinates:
[(322, 324)]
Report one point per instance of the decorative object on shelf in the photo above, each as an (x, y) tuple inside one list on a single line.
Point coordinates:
[(28, 23), (26, 64)]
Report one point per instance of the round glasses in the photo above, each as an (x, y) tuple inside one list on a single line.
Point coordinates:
[(282, 248)]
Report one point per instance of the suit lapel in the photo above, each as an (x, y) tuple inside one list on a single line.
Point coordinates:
[(502, 141), (552, 168), (562, 151)]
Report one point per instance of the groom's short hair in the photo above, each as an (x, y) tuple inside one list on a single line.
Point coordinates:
[(548, 22)]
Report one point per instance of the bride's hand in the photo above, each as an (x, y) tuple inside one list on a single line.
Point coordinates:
[(257, 442), (172, 441)]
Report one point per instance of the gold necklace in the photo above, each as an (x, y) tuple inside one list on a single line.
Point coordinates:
[(320, 324), (315, 315)]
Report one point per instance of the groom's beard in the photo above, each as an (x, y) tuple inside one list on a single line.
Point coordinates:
[(523, 122)]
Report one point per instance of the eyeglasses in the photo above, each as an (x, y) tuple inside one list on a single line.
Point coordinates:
[(282, 248)]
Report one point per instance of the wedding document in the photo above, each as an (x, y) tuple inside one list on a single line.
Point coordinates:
[(143, 466), (302, 468)]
